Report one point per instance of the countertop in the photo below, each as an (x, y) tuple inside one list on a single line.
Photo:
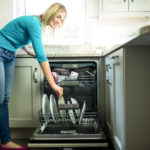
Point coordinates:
[(139, 37), (67, 51)]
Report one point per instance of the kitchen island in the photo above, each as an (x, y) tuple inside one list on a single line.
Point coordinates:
[(127, 78)]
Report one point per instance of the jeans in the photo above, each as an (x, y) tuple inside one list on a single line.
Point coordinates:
[(7, 67)]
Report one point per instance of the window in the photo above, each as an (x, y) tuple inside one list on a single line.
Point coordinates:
[(73, 30)]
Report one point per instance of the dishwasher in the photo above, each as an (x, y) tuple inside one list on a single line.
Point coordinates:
[(77, 122)]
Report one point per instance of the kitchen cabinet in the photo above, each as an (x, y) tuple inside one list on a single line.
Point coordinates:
[(127, 97), (25, 99), (114, 97), (138, 5), (114, 5), (125, 7)]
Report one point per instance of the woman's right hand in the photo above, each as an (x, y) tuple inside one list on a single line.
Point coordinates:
[(49, 76), (58, 90)]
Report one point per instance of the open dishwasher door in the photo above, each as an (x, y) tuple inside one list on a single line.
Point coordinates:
[(76, 121)]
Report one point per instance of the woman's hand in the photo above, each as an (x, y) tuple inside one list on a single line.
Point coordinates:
[(58, 90), (49, 76), (31, 52), (28, 51)]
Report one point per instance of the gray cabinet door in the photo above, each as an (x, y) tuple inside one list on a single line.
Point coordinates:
[(118, 99), (127, 98), (26, 94), (115, 98)]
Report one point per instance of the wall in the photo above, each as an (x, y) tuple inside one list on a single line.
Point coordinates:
[(102, 32), (6, 11), (10, 9), (92, 12), (109, 31)]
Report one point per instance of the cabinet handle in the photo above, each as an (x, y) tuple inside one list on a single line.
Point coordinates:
[(109, 83), (115, 57), (35, 75), (108, 67)]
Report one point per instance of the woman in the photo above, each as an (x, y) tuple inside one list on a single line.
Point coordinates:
[(16, 34)]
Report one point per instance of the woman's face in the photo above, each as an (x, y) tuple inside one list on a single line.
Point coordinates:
[(58, 20)]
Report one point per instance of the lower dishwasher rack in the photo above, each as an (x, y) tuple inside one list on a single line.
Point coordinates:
[(64, 133)]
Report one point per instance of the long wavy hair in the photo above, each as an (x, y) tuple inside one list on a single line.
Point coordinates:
[(50, 13)]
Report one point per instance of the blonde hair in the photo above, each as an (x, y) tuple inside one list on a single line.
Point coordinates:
[(51, 13)]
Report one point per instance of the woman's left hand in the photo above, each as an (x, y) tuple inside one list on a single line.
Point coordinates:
[(28, 51), (31, 52)]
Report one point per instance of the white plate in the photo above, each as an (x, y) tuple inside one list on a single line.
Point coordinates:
[(53, 108), (82, 112), (62, 112), (74, 101), (45, 107), (70, 111)]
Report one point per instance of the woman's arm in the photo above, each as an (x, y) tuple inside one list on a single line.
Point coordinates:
[(34, 29), (47, 72)]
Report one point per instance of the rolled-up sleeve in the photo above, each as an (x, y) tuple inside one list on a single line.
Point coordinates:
[(34, 28)]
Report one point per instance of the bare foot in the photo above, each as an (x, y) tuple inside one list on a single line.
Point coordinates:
[(11, 145)]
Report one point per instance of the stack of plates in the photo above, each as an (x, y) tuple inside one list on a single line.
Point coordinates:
[(45, 107), (49, 108), (53, 108)]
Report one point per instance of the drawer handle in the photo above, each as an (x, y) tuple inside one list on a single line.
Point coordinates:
[(35, 75)]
